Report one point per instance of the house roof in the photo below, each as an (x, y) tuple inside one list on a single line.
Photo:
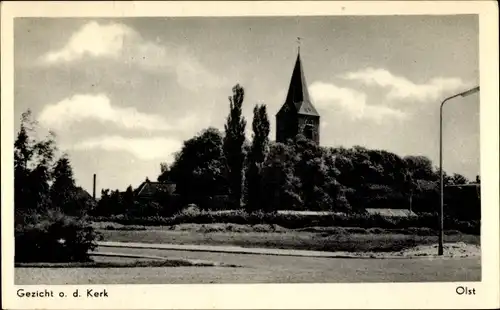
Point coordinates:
[(83, 194), (148, 188), (391, 212), (298, 95), (464, 185)]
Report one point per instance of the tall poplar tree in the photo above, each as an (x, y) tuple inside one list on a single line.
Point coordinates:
[(256, 157), (233, 145)]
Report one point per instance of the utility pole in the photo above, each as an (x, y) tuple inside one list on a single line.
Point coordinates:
[(94, 187)]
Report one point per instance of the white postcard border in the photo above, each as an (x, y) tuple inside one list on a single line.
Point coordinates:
[(270, 296)]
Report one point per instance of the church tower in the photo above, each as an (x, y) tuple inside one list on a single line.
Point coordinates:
[(297, 115)]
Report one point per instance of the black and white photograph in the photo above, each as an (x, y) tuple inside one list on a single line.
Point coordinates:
[(246, 150)]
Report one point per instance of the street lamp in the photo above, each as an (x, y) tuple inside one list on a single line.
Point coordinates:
[(441, 213)]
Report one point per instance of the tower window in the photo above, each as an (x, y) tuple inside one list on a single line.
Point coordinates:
[(308, 131)]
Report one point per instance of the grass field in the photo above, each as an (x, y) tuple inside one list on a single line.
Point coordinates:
[(318, 239)]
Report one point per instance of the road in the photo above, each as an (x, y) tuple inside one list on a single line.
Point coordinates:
[(262, 269)]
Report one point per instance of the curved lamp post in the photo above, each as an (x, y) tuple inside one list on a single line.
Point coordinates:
[(441, 213)]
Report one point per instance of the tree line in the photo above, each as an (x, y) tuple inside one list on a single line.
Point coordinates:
[(224, 170), (300, 175)]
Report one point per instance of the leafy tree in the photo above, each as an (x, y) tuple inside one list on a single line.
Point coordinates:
[(261, 129), (342, 161), (256, 157), (391, 168), (111, 203), (282, 187), (42, 173), (128, 199), (199, 169), (102, 208), (163, 167), (421, 168), (447, 179), (32, 166), (63, 189), (332, 185), (233, 144), (116, 202), (24, 146), (23, 153), (164, 172), (355, 167), (458, 179), (38, 188), (409, 186), (312, 171)]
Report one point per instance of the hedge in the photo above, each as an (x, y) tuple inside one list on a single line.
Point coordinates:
[(295, 221)]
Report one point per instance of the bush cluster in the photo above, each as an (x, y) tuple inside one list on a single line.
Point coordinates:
[(295, 221), (53, 236)]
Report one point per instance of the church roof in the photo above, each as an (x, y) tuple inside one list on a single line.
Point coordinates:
[(298, 94)]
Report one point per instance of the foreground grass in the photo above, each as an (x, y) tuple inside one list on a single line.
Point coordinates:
[(300, 240)]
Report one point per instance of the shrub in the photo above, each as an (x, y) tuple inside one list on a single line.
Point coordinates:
[(191, 210), (53, 237), (376, 231)]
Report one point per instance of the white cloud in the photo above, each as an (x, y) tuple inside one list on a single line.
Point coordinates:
[(93, 40), (98, 107), (328, 96), (142, 148), (125, 45), (86, 107), (402, 88)]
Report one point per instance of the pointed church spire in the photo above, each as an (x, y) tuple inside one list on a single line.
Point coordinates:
[(298, 94), (297, 115)]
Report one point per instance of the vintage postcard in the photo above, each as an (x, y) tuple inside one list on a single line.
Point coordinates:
[(256, 155)]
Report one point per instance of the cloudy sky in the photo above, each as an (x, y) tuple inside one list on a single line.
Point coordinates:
[(122, 94)]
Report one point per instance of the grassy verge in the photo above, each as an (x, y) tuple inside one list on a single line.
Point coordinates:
[(300, 240), (239, 228)]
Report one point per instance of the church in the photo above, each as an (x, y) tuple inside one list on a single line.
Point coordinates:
[(297, 115)]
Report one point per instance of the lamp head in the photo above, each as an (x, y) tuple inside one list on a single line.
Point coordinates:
[(470, 92)]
